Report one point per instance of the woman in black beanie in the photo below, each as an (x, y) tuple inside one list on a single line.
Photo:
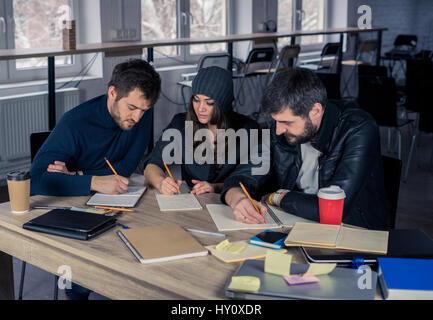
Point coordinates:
[(210, 108)]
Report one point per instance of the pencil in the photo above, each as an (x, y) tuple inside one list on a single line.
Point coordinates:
[(113, 208), (249, 197), (166, 167), (111, 167)]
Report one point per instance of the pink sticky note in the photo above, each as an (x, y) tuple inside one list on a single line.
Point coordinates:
[(297, 279)]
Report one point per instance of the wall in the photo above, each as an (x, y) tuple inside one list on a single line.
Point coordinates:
[(400, 17)]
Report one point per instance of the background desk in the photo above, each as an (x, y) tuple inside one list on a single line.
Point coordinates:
[(128, 48), (107, 267)]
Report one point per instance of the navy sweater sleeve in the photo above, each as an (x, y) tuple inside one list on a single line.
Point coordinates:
[(60, 146)]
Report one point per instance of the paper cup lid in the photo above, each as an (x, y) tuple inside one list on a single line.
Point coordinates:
[(331, 193), (18, 175)]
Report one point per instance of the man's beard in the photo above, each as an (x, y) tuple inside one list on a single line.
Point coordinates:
[(116, 117), (309, 132)]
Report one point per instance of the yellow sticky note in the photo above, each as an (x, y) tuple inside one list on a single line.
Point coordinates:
[(244, 284), (278, 263), (318, 269), (223, 245), (229, 247)]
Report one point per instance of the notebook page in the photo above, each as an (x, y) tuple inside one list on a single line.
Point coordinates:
[(178, 202), (313, 233), (224, 219), (363, 240), (127, 199)]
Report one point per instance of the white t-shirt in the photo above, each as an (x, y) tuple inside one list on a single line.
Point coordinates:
[(308, 177)]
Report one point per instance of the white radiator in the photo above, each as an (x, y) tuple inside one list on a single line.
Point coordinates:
[(24, 114)]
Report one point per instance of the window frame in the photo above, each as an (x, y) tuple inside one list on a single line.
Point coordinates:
[(183, 26), (3, 33), (38, 73), (297, 14)]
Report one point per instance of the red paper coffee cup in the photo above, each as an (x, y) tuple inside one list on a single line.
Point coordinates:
[(331, 203)]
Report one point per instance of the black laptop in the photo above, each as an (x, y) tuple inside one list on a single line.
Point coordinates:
[(71, 224)]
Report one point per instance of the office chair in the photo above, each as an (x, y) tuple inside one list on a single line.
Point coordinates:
[(207, 60), (257, 57), (404, 48), (378, 96), (37, 139), (331, 49), (391, 176), (286, 58), (365, 47)]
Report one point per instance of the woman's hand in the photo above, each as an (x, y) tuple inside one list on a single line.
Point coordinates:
[(202, 187)]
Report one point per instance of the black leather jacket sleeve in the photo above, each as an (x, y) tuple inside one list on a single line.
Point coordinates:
[(256, 172), (351, 160)]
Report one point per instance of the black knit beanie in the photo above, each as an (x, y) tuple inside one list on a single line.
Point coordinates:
[(217, 84)]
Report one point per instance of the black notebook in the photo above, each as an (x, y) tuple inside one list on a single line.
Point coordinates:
[(402, 243), (71, 224)]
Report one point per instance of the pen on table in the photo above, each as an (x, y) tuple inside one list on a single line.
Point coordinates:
[(111, 167), (249, 197), (114, 208), (166, 167), (51, 207), (207, 232)]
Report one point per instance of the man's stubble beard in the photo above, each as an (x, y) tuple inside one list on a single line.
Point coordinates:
[(309, 133)]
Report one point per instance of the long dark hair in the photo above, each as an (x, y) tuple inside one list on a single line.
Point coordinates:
[(219, 118)]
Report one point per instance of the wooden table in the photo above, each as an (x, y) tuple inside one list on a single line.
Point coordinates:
[(107, 267)]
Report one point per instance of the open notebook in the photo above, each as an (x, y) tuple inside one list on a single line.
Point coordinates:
[(128, 199), (224, 218), (338, 237)]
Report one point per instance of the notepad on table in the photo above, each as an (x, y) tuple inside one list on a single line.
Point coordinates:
[(224, 219), (178, 202), (161, 243), (337, 237), (127, 199)]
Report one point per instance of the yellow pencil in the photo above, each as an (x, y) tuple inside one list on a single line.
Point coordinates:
[(166, 167), (113, 208), (249, 197), (111, 167)]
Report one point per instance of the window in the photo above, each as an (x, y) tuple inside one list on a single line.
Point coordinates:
[(168, 19), (36, 24), (208, 19), (302, 15)]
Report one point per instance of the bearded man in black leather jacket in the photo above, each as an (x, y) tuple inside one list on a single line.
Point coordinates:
[(314, 144)]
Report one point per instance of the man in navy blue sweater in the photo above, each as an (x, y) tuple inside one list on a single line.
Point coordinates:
[(115, 126)]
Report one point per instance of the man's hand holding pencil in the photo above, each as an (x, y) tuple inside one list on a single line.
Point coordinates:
[(245, 209)]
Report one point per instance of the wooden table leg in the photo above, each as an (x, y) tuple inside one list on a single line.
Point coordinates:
[(6, 277)]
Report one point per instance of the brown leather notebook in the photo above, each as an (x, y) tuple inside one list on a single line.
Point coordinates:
[(161, 243)]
